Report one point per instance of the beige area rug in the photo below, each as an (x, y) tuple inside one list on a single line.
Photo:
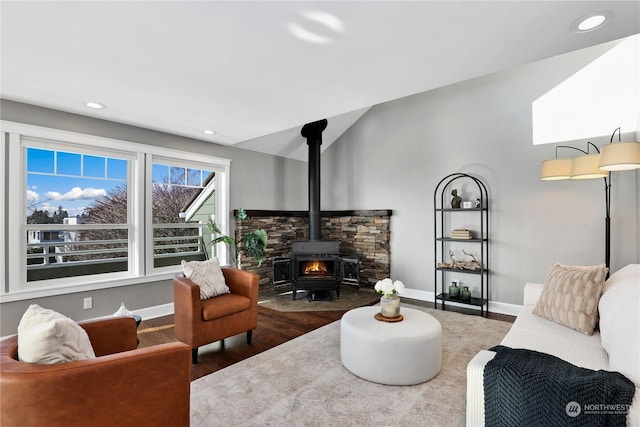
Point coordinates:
[(350, 297), (303, 383)]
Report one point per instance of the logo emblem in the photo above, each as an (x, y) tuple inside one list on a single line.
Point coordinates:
[(573, 409)]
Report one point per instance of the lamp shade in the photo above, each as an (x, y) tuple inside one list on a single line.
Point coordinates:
[(556, 169), (586, 167), (620, 156)]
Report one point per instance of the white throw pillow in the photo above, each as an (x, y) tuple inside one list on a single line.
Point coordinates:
[(208, 275), (620, 321), (46, 337)]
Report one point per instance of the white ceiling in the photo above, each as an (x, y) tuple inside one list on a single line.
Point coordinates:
[(233, 66)]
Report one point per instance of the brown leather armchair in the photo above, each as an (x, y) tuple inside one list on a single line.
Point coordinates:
[(199, 322), (122, 386)]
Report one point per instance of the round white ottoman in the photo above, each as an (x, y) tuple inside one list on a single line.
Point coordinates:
[(402, 353)]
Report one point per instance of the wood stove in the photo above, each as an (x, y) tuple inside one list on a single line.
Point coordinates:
[(316, 266), (315, 273)]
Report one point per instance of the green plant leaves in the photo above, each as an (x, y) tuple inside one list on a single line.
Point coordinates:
[(241, 215), (256, 245), (219, 237), (255, 242)]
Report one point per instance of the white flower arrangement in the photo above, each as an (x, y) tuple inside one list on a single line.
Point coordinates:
[(389, 287)]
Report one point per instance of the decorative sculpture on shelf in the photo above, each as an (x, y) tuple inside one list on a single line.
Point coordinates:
[(456, 200), (474, 264)]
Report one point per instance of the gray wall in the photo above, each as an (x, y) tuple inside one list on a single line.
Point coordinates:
[(258, 181), (393, 158), (396, 154)]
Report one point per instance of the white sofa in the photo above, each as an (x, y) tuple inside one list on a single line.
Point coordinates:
[(614, 346)]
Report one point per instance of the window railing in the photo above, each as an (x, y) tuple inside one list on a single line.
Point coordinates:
[(174, 242), (76, 253), (51, 253), (169, 239)]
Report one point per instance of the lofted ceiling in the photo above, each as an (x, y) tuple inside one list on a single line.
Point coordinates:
[(255, 72)]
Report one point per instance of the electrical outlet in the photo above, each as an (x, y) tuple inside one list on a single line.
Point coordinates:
[(88, 303), (457, 282)]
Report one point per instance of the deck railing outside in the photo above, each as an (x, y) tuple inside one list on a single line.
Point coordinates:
[(89, 249)]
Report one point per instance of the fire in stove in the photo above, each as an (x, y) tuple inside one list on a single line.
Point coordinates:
[(315, 268)]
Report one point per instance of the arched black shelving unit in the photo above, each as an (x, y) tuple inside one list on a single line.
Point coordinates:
[(443, 242)]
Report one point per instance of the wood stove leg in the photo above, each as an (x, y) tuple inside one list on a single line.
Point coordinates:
[(295, 291), (338, 292)]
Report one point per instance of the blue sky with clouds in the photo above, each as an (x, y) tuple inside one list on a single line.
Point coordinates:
[(73, 181)]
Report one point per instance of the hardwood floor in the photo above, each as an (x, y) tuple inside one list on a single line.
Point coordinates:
[(274, 328)]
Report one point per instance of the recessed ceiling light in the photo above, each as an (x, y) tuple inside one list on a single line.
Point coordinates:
[(326, 19), (325, 25), (95, 105), (591, 21), (306, 35), (209, 132)]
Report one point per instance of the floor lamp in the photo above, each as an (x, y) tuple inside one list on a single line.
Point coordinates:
[(614, 157)]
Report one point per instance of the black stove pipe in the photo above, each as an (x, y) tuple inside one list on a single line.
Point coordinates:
[(313, 133)]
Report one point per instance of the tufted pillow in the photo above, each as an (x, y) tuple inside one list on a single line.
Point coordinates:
[(620, 321), (208, 275), (47, 337), (570, 296)]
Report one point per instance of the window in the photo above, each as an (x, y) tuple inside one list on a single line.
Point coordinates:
[(601, 96), (99, 212), (78, 219), (175, 188)]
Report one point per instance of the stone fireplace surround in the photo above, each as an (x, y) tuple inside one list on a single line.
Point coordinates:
[(362, 233)]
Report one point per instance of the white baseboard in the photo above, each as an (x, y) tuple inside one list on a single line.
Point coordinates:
[(494, 306), (145, 313), (154, 312), (504, 308)]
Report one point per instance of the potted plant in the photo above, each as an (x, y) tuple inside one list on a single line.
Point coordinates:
[(255, 242), (218, 237)]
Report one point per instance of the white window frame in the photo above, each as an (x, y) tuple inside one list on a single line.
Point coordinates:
[(3, 216), (140, 238), (219, 200)]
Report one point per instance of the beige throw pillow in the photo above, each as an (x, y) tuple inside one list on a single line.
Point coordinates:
[(208, 275), (570, 296), (47, 337)]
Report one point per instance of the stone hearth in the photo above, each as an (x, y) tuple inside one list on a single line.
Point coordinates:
[(363, 233)]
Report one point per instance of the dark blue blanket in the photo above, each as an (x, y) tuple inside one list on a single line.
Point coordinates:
[(529, 388)]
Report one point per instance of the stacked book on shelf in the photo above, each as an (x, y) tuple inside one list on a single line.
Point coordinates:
[(460, 233)]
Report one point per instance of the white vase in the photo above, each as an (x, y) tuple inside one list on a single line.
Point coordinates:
[(122, 311), (390, 305)]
